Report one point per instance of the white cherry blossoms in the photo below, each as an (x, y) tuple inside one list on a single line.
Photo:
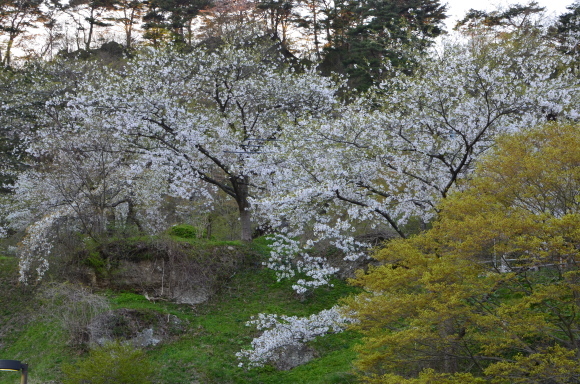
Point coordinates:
[(288, 257), (284, 331), (385, 158)]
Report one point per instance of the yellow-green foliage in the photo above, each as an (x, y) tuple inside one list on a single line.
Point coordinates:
[(112, 363), (492, 291)]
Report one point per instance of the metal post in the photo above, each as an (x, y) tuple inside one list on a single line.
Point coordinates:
[(24, 374)]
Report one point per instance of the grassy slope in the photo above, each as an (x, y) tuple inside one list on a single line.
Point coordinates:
[(24, 334), (204, 352), (219, 330)]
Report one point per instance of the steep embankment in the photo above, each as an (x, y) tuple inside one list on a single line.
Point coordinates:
[(192, 343)]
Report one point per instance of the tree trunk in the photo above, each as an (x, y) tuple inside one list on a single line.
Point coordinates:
[(240, 185), (8, 55), (91, 25), (315, 25), (245, 218), (189, 33), (129, 28)]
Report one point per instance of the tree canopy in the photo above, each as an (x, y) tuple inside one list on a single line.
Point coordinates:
[(490, 293)]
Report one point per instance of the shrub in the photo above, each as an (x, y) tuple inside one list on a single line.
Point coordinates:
[(74, 307), (184, 231), (112, 363)]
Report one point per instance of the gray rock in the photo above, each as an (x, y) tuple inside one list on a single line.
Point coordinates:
[(144, 339), (140, 328), (292, 356), (191, 296)]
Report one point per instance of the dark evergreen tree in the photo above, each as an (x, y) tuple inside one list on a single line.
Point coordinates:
[(88, 15), (279, 15), (172, 19), (131, 13), (515, 17), (365, 33), (567, 29)]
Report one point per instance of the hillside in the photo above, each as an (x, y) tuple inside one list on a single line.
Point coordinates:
[(201, 345)]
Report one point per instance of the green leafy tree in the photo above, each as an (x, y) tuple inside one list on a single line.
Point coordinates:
[(491, 293)]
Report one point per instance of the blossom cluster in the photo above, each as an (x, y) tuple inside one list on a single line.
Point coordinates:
[(37, 246), (281, 331)]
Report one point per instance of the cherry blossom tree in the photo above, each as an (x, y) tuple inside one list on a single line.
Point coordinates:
[(394, 154), (86, 184), (209, 119), (72, 180), (107, 146), (23, 95)]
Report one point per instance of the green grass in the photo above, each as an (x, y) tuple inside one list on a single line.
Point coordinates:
[(24, 334), (42, 345), (213, 333), (218, 331)]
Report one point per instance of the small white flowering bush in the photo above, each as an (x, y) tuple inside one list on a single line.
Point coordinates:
[(283, 331)]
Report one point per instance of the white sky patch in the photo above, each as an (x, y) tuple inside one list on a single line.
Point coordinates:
[(456, 9)]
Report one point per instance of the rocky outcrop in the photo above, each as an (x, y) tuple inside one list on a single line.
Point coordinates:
[(141, 328), (166, 269)]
